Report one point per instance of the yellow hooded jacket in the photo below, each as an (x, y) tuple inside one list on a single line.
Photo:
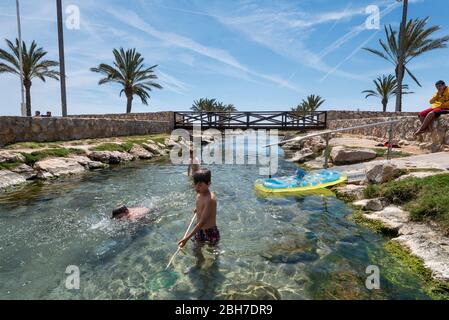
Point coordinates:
[(442, 101)]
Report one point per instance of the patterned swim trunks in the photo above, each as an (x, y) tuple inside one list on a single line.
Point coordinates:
[(211, 235)]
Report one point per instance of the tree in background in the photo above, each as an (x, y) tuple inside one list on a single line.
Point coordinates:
[(129, 71), (385, 87), (34, 66)]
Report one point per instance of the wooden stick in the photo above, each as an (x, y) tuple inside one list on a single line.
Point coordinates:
[(179, 248)]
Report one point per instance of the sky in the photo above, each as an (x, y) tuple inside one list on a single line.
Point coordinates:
[(255, 54)]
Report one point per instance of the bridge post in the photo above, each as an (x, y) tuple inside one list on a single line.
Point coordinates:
[(247, 119)]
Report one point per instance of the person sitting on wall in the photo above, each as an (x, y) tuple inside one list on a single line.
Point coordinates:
[(37, 114), (48, 114), (439, 105)]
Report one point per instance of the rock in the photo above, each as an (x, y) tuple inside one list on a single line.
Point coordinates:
[(59, 166), (351, 191), (25, 171), (428, 244), (90, 164), (404, 143), (162, 146), (170, 143), (380, 173), (341, 155), (111, 157), (44, 175), (7, 156), (251, 291), (392, 217), (317, 163), (301, 155), (370, 204), (154, 148), (141, 152), (10, 179), (420, 174)]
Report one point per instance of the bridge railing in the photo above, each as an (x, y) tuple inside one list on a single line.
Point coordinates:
[(282, 120)]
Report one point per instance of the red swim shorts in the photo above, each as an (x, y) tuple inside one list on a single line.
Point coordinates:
[(424, 113)]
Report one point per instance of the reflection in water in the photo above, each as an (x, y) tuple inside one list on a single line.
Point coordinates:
[(285, 247)]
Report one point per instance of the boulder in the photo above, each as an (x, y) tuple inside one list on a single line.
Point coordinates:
[(380, 173), (90, 164), (420, 174), (25, 171), (10, 179), (111, 157), (370, 204), (7, 156), (341, 155), (392, 217), (351, 191), (59, 166), (141, 152), (154, 148), (301, 155)]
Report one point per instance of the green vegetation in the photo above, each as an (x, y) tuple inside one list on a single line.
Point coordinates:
[(211, 105), (125, 147), (382, 152), (34, 65), (436, 289), (425, 198), (416, 40), (375, 225), (9, 165), (32, 158), (34, 145), (385, 87), (130, 72)]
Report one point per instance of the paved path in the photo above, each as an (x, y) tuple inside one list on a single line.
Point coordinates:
[(439, 160)]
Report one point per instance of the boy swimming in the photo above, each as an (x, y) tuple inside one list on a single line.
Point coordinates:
[(129, 213), (206, 211)]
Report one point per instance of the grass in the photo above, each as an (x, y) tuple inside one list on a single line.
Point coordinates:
[(382, 152), (375, 225), (125, 147), (425, 198), (9, 165), (436, 289), (33, 157)]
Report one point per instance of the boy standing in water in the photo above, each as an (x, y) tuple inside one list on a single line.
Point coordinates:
[(194, 164), (206, 211)]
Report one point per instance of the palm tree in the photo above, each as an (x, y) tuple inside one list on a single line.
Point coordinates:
[(129, 71), (34, 66), (312, 102), (386, 86), (417, 42), (204, 105)]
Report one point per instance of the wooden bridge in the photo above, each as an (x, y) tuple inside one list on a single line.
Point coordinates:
[(281, 120)]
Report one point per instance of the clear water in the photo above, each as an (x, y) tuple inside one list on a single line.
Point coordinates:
[(271, 248)]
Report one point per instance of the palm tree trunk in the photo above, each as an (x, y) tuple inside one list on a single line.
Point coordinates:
[(401, 58), (129, 103), (384, 104), (27, 85)]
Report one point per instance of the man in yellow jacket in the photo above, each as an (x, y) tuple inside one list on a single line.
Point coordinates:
[(439, 105)]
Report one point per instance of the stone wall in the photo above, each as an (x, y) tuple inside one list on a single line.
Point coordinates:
[(21, 129), (343, 115), (155, 116), (437, 136)]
